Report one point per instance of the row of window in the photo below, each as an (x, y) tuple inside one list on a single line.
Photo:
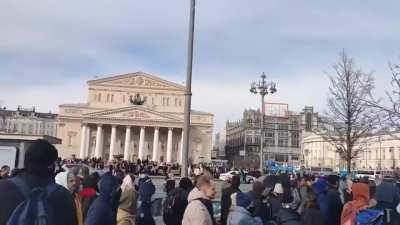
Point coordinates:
[(165, 101), (369, 154)]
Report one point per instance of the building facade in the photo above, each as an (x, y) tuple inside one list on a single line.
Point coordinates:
[(26, 121), (281, 139), (218, 147), (381, 152), (134, 116)]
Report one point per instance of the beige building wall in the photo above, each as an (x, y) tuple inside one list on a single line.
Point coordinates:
[(109, 104), (382, 152)]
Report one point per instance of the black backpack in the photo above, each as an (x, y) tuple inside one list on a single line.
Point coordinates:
[(174, 206)]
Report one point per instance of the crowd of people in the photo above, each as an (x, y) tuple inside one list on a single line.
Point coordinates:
[(44, 193)]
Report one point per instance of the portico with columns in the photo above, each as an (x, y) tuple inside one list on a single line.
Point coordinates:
[(113, 124)]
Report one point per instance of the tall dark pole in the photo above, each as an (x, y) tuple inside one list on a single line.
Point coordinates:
[(262, 131), (188, 93)]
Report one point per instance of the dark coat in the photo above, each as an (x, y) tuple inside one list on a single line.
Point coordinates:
[(103, 211), (61, 199), (261, 207), (181, 203), (312, 216), (275, 202), (226, 202), (387, 197), (334, 205), (288, 217), (146, 191)]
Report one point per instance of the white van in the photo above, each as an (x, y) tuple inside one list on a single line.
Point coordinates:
[(367, 173), (11, 156)]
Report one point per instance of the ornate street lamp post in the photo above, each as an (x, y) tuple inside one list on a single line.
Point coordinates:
[(263, 88)]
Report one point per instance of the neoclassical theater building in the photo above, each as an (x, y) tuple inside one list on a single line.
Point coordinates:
[(133, 116)]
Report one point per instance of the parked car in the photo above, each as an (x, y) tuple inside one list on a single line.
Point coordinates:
[(230, 174)]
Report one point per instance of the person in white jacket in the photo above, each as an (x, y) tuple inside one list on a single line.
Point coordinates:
[(239, 215), (199, 210)]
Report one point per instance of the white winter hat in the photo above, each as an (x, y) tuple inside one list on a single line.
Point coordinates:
[(278, 189)]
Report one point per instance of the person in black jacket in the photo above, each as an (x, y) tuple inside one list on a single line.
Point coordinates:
[(226, 197), (334, 202), (176, 202), (261, 208), (39, 163)]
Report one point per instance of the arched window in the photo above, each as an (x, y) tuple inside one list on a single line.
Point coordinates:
[(176, 101), (112, 98), (99, 96)]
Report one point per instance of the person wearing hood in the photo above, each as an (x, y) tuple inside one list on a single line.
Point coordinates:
[(361, 200), (200, 210), (88, 193), (231, 188), (146, 191), (71, 182), (387, 198), (239, 213), (103, 211), (128, 202), (320, 189)]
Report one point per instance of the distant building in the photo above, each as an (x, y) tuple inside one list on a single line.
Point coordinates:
[(134, 116), (218, 151), (381, 152), (27, 121), (283, 133)]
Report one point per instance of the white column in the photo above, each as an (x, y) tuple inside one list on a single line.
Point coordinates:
[(99, 141), (141, 144), (127, 142), (83, 142), (113, 141), (169, 146), (181, 150), (155, 144), (87, 141)]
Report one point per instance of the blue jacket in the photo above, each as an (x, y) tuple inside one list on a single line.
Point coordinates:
[(241, 216), (103, 211), (320, 189)]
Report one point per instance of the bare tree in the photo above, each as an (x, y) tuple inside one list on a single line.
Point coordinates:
[(390, 111), (349, 120)]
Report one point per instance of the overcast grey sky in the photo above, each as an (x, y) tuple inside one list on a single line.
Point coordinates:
[(49, 49)]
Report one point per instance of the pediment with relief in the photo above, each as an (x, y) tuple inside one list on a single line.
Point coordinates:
[(138, 80), (133, 113)]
